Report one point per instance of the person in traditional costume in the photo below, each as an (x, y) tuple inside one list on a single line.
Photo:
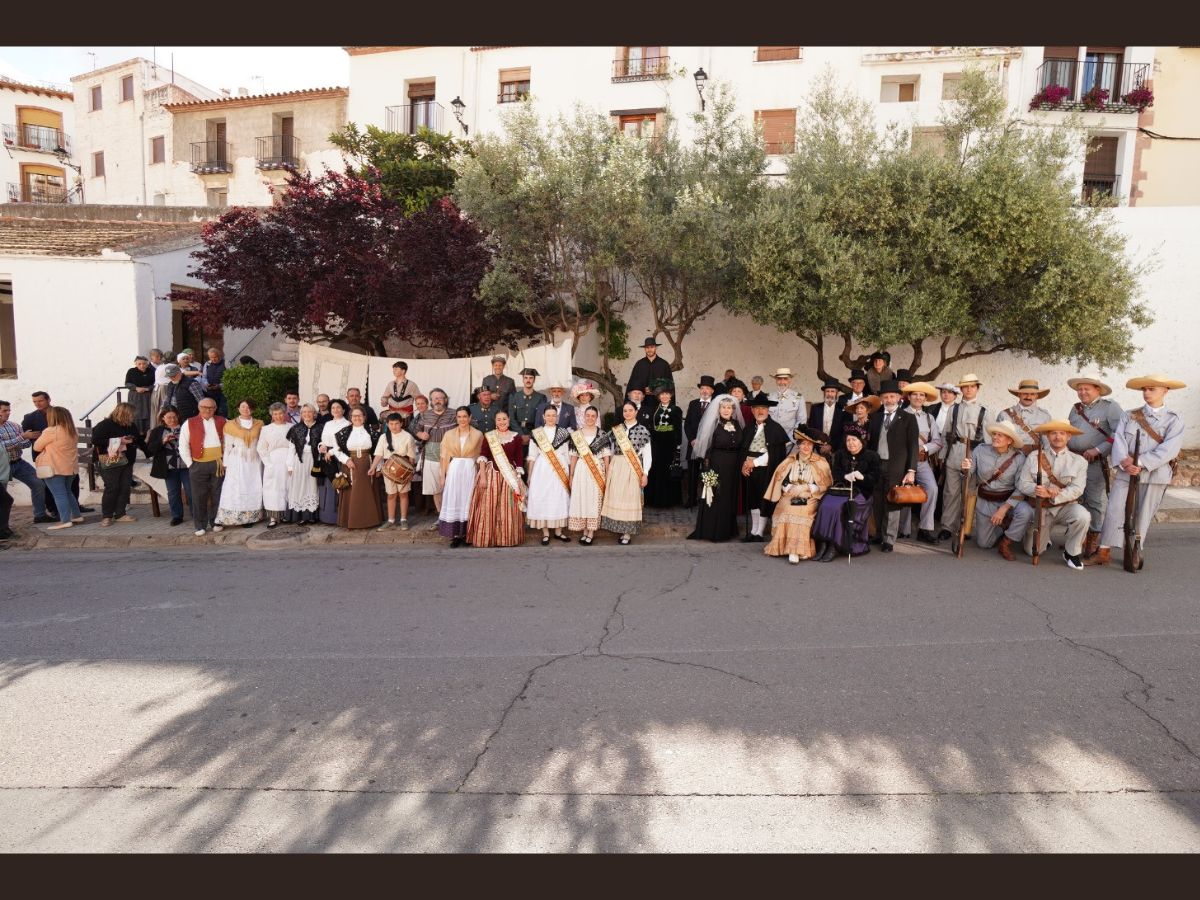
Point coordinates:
[(303, 466), (275, 451), (399, 393), (930, 444), (796, 488), (589, 453), (1000, 515), (627, 475), (140, 381), (843, 513), (550, 477), (737, 390), (497, 514), (431, 428), (358, 505), (763, 447), (460, 447), (242, 489), (858, 412), (412, 426), (880, 370), (584, 394), (666, 434), (718, 444), (327, 495), (395, 442)]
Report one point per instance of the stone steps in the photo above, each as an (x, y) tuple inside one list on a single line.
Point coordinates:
[(285, 353)]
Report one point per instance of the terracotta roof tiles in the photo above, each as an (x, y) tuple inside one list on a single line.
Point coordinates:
[(74, 237)]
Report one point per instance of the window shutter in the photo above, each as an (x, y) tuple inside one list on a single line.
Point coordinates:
[(779, 129), (769, 54), (1060, 53), (510, 75), (421, 90)]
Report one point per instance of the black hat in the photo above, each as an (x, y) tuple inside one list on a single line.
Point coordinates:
[(650, 342), (804, 432), (903, 375), (662, 384), (761, 400), (707, 381), (831, 383), (736, 382), (534, 372), (889, 387), (880, 354), (859, 374)]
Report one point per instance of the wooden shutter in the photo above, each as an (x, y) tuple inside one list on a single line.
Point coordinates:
[(97, 98), (1060, 53), (510, 75), (779, 129), (421, 90), (158, 149), (768, 54), (907, 92), (1102, 160), (98, 164), (127, 88)]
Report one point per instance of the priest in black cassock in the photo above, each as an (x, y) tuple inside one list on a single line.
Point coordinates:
[(763, 447), (649, 370)]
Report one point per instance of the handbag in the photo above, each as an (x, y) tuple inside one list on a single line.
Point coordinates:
[(340, 481), (905, 494), (44, 472)]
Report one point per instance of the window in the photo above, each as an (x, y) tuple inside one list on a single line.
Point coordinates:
[(929, 140), (514, 85), (641, 62), (951, 81), (779, 129), (899, 88), (97, 98), (126, 88), (1102, 69), (1100, 167), (770, 54), (423, 112), (8, 332), (637, 124), (218, 197), (158, 149), (98, 164)]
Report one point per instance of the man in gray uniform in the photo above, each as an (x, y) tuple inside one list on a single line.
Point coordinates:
[(1161, 440), (789, 409), (501, 386), (963, 433), (1026, 414), (929, 444), (1063, 478), (523, 404), (483, 412), (997, 466), (1098, 419)]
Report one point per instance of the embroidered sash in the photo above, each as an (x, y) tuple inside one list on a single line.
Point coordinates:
[(585, 453), (505, 467), (622, 437), (1045, 466), (547, 447)]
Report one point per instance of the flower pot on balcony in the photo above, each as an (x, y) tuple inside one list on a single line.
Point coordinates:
[(1095, 99), (1050, 97), (1139, 98)]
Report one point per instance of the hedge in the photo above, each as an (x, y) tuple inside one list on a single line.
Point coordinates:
[(263, 385)]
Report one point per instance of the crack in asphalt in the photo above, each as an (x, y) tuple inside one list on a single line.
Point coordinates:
[(1127, 696)]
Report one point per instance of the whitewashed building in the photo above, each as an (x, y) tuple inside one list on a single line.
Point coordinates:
[(38, 163)]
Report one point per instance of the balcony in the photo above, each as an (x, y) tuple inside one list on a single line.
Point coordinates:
[(1096, 186), (1078, 78), (408, 118), (37, 193), (278, 151), (641, 68), (40, 138), (212, 157)]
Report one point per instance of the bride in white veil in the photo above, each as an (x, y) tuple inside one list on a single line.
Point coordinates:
[(708, 423)]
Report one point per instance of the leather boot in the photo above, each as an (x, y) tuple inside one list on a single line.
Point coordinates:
[(1091, 544), (1005, 548), (830, 552), (1100, 559)]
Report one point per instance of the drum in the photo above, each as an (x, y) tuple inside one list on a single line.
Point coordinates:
[(398, 469)]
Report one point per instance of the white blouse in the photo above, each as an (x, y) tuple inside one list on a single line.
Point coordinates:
[(329, 432), (359, 439)]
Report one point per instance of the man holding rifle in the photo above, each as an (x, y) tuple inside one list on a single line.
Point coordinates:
[(1097, 417), (1052, 481), (1161, 439), (964, 432)]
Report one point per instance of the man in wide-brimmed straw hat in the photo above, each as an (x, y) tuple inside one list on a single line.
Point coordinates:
[(649, 369), (929, 438), (1025, 414), (557, 390), (1063, 478), (1161, 432), (789, 409), (1000, 515), (1097, 417), (964, 431)]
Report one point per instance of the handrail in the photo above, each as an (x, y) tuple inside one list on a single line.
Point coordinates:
[(87, 415), (231, 361)]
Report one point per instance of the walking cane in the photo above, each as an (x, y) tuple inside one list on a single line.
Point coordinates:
[(850, 539)]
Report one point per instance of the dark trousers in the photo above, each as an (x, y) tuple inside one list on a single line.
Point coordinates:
[(118, 482), (693, 482), (206, 493), (176, 479), (6, 505)]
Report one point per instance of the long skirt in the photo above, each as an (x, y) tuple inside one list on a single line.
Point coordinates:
[(621, 511), (586, 499), (791, 530), (661, 489), (359, 504), (456, 497), (829, 525), (719, 522), (327, 502), (275, 481), (241, 491), (495, 519), (549, 502), (302, 496)]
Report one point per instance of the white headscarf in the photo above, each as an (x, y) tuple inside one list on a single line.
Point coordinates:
[(708, 423)]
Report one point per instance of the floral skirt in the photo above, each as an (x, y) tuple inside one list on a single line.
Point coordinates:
[(495, 519)]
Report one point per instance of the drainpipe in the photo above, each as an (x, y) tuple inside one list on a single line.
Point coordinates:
[(142, 121)]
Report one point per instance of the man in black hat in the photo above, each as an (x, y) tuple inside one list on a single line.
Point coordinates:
[(483, 410), (904, 378), (828, 415), (650, 369), (691, 422), (895, 436), (523, 405), (858, 389), (764, 445)]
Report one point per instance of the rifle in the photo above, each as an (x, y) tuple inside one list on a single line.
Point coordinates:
[(968, 505), (1041, 516), (1133, 540)]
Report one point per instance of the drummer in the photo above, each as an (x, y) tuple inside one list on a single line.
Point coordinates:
[(396, 441)]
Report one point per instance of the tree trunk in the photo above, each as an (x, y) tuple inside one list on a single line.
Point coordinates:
[(608, 384)]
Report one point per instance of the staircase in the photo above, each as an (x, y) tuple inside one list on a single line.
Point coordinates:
[(285, 353)]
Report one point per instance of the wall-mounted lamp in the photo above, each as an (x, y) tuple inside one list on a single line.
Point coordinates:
[(459, 106), (701, 79)]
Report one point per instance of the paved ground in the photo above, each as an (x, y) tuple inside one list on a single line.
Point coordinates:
[(667, 697)]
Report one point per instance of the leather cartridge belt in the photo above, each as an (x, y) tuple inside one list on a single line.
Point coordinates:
[(994, 496)]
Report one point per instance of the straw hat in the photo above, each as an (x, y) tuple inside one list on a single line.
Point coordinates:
[(970, 378), (1104, 389), (871, 402), (947, 386), (782, 373), (1029, 384), (1155, 380), (584, 387), (556, 384), (922, 387), (1057, 425), (1006, 429)]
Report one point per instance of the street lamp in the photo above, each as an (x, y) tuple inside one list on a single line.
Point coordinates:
[(459, 106), (701, 79)]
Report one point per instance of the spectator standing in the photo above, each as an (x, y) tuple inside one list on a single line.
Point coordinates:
[(32, 425), (140, 382), (6, 502), (211, 374), (57, 448), (182, 392), (13, 444), (116, 441), (201, 451), (163, 448), (158, 365)]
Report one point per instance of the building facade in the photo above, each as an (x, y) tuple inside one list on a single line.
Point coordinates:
[(1167, 154), (38, 124)]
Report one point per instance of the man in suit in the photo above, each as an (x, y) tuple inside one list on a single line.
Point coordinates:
[(566, 412), (858, 388), (764, 445), (501, 386), (828, 415), (895, 436), (756, 389), (646, 371), (638, 399), (691, 422)]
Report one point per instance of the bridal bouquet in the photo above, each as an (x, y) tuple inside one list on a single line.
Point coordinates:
[(709, 482)]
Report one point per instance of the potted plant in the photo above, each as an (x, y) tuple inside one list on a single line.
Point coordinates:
[(1051, 96), (1096, 98), (1140, 97)]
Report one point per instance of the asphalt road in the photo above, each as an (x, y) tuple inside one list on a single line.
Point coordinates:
[(664, 697)]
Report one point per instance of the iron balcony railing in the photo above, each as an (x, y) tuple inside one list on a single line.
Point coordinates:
[(408, 118), (1080, 77), (210, 157), (278, 151), (37, 193), (1094, 185), (37, 137), (641, 68)]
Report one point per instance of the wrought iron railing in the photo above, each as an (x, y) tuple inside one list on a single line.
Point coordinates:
[(209, 157), (37, 137), (641, 68), (408, 118), (1080, 77), (278, 151), (37, 193), (1094, 185)]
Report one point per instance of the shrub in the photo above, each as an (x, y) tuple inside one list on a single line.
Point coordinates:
[(263, 385), (1139, 97)]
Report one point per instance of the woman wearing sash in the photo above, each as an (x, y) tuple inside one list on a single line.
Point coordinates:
[(242, 489), (589, 452), (275, 453), (629, 442), (497, 514), (302, 497), (549, 477), (718, 442), (460, 447), (796, 489), (327, 495)]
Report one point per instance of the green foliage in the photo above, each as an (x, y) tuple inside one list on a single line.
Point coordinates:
[(411, 169), (263, 385)]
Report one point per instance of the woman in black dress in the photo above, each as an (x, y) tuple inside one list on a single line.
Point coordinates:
[(842, 521), (718, 442), (666, 433)]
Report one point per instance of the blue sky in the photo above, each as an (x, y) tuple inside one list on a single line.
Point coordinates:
[(280, 68)]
